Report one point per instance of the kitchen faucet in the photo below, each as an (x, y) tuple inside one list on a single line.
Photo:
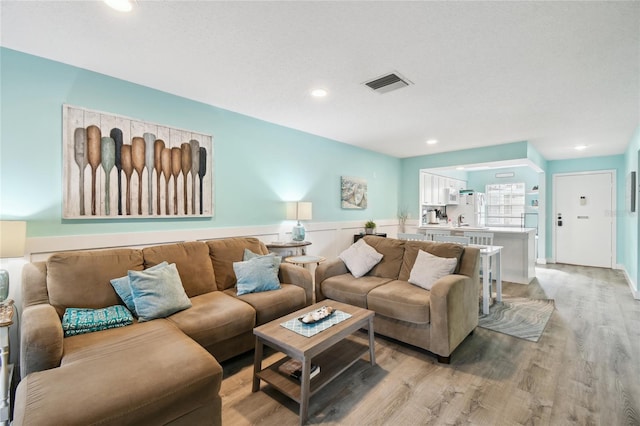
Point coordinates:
[(460, 219)]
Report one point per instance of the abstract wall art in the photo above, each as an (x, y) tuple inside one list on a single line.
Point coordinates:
[(353, 193), (119, 167)]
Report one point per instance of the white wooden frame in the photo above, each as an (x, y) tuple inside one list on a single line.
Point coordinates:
[(95, 134)]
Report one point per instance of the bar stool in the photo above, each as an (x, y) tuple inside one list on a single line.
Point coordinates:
[(430, 234), (411, 237), (451, 239)]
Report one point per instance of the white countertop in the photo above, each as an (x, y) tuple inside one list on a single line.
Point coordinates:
[(484, 229)]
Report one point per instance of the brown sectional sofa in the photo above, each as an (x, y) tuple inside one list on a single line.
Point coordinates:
[(156, 372), (437, 320)]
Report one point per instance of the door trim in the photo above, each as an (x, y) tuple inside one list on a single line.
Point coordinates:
[(614, 222)]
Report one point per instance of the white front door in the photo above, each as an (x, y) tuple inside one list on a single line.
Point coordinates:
[(584, 219)]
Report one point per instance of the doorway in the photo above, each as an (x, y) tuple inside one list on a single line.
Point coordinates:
[(584, 219)]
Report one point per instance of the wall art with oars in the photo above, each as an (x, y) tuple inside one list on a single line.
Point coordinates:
[(119, 167)]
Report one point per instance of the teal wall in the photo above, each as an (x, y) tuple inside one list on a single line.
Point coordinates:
[(631, 248), (613, 162), (479, 179), (535, 157), (257, 165)]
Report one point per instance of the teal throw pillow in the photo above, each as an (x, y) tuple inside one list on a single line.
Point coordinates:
[(123, 288), (256, 275), (82, 320), (158, 293), (248, 255)]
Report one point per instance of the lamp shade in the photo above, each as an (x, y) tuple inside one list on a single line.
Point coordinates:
[(300, 210), (292, 210), (13, 236), (304, 210)]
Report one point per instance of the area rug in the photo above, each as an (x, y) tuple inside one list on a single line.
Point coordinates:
[(519, 317)]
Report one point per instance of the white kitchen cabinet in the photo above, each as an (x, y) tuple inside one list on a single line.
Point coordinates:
[(425, 188), (433, 188), (436, 187)]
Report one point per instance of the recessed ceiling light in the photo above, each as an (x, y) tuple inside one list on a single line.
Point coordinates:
[(120, 5), (460, 168), (319, 93), (432, 142), (580, 147)]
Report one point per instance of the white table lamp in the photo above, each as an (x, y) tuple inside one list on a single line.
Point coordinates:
[(13, 235), (300, 210)]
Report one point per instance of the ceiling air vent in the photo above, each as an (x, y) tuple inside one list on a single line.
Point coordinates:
[(388, 83)]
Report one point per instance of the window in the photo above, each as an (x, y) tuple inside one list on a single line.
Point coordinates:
[(505, 204)]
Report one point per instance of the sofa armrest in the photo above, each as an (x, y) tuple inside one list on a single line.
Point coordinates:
[(40, 339), (297, 275), (454, 312), (328, 269)]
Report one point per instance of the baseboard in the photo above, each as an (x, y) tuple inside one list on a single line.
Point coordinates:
[(635, 293)]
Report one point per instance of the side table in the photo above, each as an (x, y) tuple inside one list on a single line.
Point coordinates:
[(356, 237), (6, 319), (288, 248), (304, 261)]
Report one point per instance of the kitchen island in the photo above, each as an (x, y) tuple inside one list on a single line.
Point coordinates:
[(518, 253)]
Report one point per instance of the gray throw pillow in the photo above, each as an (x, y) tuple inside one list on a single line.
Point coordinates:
[(360, 257), (123, 288), (429, 268), (158, 293), (258, 274)]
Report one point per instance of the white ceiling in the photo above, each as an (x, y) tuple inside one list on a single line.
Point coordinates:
[(556, 74)]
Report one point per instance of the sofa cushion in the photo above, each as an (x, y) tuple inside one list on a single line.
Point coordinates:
[(153, 384), (392, 250), (157, 293), (257, 275), (82, 279), (428, 269), (347, 289), (270, 305), (228, 250), (215, 317), (437, 249), (360, 257), (402, 301), (193, 263)]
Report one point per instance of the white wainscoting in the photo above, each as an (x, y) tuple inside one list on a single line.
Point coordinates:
[(328, 239)]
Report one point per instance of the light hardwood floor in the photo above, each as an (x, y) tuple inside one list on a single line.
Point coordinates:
[(585, 370)]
